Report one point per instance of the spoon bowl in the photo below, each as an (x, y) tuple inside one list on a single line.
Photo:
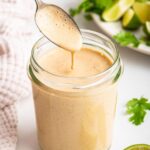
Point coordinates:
[(58, 26)]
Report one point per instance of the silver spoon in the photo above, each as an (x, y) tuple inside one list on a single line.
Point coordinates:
[(58, 26)]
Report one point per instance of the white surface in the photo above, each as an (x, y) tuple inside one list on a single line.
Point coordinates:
[(134, 83), (112, 28)]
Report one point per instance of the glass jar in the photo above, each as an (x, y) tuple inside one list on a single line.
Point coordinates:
[(75, 113)]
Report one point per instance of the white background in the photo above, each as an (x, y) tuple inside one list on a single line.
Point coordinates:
[(134, 83)]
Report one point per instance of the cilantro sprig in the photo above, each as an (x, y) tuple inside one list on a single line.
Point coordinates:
[(137, 109), (126, 38), (95, 6)]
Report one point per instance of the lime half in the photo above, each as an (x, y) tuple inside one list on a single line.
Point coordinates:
[(142, 9), (138, 147), (130, 20), (117, 10)]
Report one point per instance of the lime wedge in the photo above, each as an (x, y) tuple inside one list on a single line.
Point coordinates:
[(117, 10), (130, 20), (142, 10), (147, 28), (138, 147)]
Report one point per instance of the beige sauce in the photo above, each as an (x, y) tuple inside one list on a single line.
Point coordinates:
[(79, 122), (87, 62)]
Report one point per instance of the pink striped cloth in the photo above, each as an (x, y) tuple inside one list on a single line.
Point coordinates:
[(16, 39)]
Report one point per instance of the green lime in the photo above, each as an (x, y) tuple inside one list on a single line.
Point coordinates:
[(130, 20), (147, 28), (142, 9), (138, 147), (117, 10)]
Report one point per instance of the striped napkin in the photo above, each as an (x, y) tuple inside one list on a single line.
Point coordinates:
[(16, 39)]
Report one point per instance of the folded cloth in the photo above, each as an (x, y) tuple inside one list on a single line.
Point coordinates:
[(16, 40)]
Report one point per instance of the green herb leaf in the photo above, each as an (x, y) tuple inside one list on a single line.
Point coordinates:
[(95, 6), (126, 38), (103, 4), (85, 6), (137, 109)]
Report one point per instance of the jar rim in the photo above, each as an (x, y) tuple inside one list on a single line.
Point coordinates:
[(81, 77)]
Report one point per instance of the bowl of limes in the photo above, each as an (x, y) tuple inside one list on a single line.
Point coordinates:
[(126, 21)]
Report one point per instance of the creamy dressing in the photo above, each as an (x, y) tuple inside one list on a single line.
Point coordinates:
[(58, 27), (79, 121), (87, 62)]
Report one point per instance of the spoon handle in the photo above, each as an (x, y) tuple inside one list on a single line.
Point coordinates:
[(39, 3)]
